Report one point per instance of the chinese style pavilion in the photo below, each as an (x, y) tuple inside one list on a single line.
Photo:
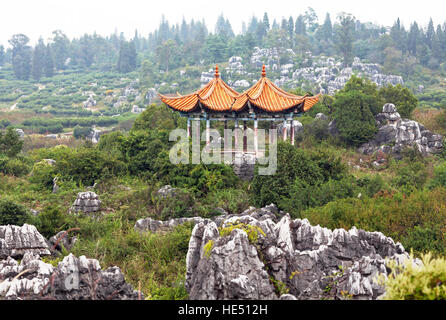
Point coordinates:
[(264, 101)]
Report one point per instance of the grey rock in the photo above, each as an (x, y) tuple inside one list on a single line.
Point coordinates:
[(15, 241), (73, 279), (307, 259), (395, 134), (86, 202), (20, 132), (62, 239), (167, 191), (321, 116)]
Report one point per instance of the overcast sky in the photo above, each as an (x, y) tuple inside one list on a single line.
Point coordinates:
[(37, 18)]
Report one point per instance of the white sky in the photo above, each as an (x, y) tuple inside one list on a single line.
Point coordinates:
[(37, 18)]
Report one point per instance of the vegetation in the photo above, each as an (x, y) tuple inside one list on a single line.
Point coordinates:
[(417, 282)]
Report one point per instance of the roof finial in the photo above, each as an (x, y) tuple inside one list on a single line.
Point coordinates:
[(216, 71), (263, 71)]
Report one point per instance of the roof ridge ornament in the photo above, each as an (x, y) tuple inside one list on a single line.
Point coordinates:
[(263, 71), (216, 71)]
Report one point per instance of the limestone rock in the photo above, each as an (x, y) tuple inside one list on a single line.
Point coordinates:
[(313, 262), (86, 202), (73, 279), (167, 191), (15, 241), (395, 134)]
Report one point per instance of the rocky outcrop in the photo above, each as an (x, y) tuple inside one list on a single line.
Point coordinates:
[(86, 202), (15, 241), (395, 134), (148, 224), (243, 165), (311, 262), (73, 279)]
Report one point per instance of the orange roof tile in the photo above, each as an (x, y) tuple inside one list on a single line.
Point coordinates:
[(215, 96), (268, 97)]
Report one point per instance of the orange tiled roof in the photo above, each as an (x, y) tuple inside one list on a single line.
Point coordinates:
[(216, 96), (268, 97)]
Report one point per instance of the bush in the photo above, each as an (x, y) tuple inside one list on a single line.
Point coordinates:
[(43, 174), (404, 100), (296, 170), (10, 142), (17, 167), (50, 221), (403, 217), (411, 174), (12, 213), (417, 282), (439, 178), (87, 165)]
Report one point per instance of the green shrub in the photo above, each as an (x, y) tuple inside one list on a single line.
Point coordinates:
[(413, 282), (297, 170), (404, 217), (411, 174), (439, 178), (12, 213), (50, 221), (17, 167), (43, 174), (404, 100)]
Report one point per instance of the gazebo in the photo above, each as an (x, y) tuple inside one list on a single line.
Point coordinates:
[(264, 101)]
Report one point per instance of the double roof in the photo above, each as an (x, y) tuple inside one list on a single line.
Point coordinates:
[(218, 96)]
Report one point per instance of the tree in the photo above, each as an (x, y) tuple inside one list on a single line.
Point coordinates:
[(87, 50), (48, 66), (38, 60), (165, 53), (404, 100), (300, 27), (345, 36), (413, 38), (127, 57), (327, 28), (60, 49), (2, 55), (266, 21), (353, 111), (10, 142), (430, 33), (215, 48), (21, 56), (310, 18)]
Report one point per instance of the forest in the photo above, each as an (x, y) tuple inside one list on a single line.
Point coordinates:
[(323, 177)]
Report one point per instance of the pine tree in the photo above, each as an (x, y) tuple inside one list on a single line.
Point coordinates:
[(327, 28), (413, 38), (48, 66), (2, 55), (38, 60), (300, 27), (430, 33), (266, 21)]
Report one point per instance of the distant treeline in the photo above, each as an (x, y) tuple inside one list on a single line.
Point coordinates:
[(191, 43)]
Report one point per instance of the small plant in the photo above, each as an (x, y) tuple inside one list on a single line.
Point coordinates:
[(252, 231), (416, 282), (279, 286), (208, 248)]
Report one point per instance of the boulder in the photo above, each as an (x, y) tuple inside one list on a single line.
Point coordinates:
[(15, 241), (86, 202), (311, 261), (395, 134)]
